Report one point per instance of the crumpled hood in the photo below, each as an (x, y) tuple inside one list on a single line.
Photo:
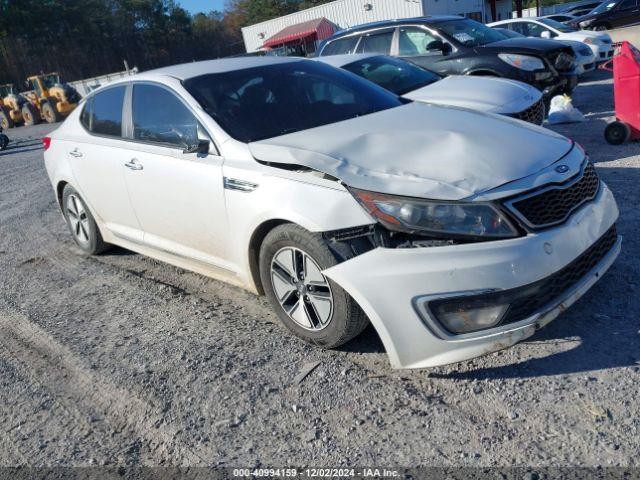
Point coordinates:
[(496, 95), (420, 150)]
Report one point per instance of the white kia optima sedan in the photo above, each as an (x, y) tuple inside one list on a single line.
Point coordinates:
[(454, 232), (495, 95)]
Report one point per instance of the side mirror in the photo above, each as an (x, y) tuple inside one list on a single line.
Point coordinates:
[(546, 34), (201, 147), (435, 45)]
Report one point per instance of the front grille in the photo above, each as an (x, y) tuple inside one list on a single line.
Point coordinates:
[(540, 296), (584, 51), (553, 205), (534, 114), (543, 293)]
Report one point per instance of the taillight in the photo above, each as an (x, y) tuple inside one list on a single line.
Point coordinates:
[(46, 141)]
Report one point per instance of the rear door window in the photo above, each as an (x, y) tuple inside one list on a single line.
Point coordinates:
[(518, 27), (106, 112), (161, 117), (376, 42), (341, 46)]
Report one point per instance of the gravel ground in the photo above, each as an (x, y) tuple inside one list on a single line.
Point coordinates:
[(122, 360)]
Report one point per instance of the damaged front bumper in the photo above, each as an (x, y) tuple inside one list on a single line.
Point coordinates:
[(393, 285)]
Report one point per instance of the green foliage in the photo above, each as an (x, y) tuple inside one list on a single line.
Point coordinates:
[(84, 38)]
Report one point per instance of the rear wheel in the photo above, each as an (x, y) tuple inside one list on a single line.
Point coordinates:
[(49, 112), (309, 304), (4, 141), (30, 115), (81, 223), (6, 121), (617, 133)]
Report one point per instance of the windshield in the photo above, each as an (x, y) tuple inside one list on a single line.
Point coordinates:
[(561, 27), (603, 7), (50, 80), (470, 33), (264, 102), (394, 74)]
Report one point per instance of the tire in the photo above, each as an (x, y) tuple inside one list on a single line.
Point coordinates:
[(85, 232), (4, 141), (6, 122), (30, 115), (49, 112), (601, 28), (314, 308), (617, 133)]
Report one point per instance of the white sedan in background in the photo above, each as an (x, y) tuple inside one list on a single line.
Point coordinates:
[(599, 42), (454, 232), (493, 95)]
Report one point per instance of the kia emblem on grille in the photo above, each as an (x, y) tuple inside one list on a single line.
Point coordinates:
[(562, 169)]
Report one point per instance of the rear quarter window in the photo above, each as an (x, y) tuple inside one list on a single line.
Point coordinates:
[(340, 46), (85, 116), (106, 112)]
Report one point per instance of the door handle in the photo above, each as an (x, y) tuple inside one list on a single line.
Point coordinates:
[(133, 164), (75, 153)]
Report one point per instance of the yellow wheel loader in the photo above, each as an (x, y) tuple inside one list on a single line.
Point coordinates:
[(10, 106), (49, 100)]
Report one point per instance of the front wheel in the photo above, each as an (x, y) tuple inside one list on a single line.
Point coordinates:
[(81, 223), (50, 112), (617, 133), (313, 307), (30, 114), (6, 122), (601, 28)]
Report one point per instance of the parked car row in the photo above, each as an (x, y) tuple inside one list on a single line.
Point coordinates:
[(353, 189), (607, 15), (452, 45), (600, 15)]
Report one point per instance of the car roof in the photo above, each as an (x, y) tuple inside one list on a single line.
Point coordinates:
[(195, 69), (345, 59), (391, 23)]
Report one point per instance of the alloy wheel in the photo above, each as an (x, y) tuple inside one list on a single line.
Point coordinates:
[(302, 290), (78, 219)]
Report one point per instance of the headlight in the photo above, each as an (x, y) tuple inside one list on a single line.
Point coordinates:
[(523, 62), (439, 218), (584, 24)]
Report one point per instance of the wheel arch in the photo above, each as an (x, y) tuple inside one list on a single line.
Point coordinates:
[(255, 242), (59, 190)]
